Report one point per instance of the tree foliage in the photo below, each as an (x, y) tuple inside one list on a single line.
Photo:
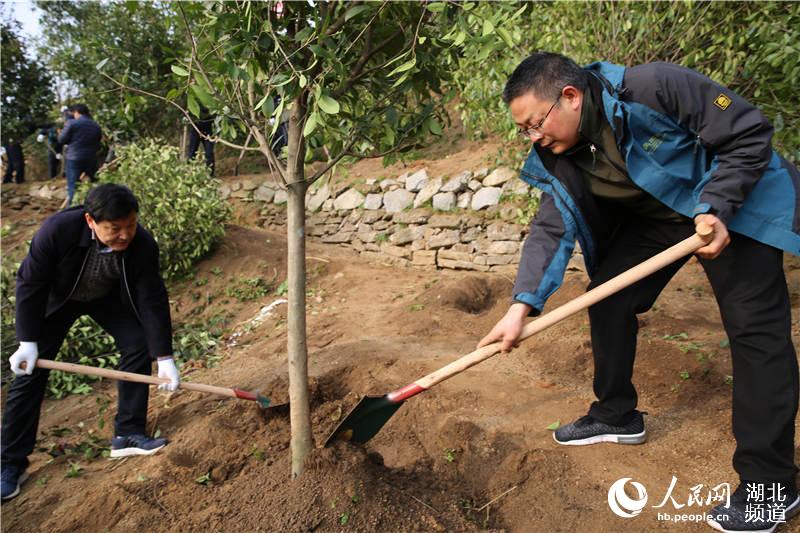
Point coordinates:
[(750, 47), (363, 78), (27, 93), (138, 42)]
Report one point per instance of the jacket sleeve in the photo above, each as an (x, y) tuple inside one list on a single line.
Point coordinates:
[(66, 134), (153, 303), (34, 277), (735, 132), (545, 255)]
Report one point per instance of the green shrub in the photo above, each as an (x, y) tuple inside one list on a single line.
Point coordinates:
[(178, 202), (750, 47)]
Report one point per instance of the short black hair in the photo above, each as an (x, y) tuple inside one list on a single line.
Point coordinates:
[(544, 74), (83, 109), (110, 201)]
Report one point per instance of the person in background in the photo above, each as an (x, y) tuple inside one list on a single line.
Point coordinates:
[(49, 136), (200, 131), (15, 162), (83, 136)]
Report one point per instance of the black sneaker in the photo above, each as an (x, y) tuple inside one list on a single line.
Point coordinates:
[(125, 446), (755, 513), (12, 477), (587, 430)]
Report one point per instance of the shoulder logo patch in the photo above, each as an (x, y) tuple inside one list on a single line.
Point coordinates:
[(653, 143), (722, 101)]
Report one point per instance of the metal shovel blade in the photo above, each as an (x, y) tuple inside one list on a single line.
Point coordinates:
[(365, 419)]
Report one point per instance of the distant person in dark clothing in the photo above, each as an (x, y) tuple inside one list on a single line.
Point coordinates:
[(205, 126), (83, 135), (49, 136), (15, 163)]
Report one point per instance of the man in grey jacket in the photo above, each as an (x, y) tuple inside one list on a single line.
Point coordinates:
[(629, 161)]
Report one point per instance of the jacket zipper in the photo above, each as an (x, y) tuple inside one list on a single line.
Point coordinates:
[(78, 279), (128, 291), (593, 149)]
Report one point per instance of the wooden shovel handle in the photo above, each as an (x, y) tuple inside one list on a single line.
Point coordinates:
[(687, 246), (129, 376)]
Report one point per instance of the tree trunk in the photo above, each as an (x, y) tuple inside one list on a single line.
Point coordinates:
[(296, 342)]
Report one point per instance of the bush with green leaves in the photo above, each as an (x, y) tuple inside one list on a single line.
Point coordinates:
[(179, 202), (750, 47)]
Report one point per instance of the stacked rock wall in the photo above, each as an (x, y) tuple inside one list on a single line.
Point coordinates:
[(457, 222)]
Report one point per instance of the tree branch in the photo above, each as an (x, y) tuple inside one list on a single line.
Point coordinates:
[(333, 162)]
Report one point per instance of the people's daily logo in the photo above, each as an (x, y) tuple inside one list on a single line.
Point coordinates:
[(622, 504)]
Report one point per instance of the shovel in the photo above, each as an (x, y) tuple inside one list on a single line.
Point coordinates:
[(262, 401), (372, 412)]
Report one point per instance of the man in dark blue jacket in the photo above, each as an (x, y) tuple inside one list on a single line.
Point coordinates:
[(629, 160), (83, 136), (89, 260)]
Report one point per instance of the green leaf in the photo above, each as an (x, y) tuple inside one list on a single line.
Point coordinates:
[(206, 99), (408, 65), (555, 425), (436, 7), (503, 33), (260, 104), (179, 70), (328, 105), (277, 114), (434, 127), (191, 103), (101, 64), (303, 81), (311, 124), (355, 11), (488, 27)]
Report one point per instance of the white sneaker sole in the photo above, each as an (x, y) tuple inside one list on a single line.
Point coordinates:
[(790, 511), (128, 452), (636, 438), (22, 479)]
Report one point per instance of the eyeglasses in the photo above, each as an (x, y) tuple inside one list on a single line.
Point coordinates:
[(536, 131)]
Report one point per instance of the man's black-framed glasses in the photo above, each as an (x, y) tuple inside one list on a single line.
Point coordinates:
[(536, 131)]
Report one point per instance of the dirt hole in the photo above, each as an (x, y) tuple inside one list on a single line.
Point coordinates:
[(473, 295)]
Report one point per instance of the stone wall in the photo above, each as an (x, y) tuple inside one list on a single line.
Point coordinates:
[(412, 219)]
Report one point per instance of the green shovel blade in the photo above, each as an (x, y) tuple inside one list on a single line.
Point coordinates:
[(365, 419)]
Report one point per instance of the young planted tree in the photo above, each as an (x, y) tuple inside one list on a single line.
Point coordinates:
[(352, 79)]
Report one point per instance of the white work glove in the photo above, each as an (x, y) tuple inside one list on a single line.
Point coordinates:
[(167, 369), (40, 138), (58, 156), (28, 353)]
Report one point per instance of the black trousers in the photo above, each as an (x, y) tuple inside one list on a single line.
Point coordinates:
[(14, 165), (53, 165), (750, 288), (208, 147), (25, 396)]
